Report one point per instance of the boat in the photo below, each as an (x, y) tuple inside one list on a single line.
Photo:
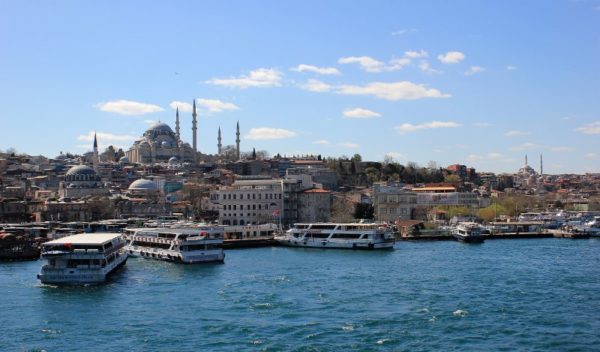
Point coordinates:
[(338, 235), (87, 258), (469, 232), (190, 245), (592, 227)]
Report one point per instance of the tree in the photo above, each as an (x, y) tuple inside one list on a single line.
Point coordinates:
[(364, 211), (341, 210)]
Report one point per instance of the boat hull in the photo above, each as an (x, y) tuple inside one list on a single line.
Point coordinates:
[(195, 257), (469, 239), (326, 244)]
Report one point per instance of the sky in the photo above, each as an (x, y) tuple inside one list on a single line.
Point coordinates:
[(480, 83)]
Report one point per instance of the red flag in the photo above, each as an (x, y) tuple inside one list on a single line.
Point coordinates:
[(276, 212)]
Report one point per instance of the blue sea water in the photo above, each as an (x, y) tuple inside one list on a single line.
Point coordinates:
[(503, 295)]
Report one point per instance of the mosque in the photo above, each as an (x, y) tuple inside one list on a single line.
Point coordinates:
[(160, 144)]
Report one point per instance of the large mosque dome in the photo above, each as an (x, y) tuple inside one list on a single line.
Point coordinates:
[(80, 170), (143, 184), (160, 127)]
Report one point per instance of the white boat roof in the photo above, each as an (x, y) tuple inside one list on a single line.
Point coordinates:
[(86, 238)]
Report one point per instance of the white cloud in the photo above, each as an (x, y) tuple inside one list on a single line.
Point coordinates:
[(183, 107), (321, 141), (591, 155), (416, 54), (128, 107), (360, 113), (590, 128), (314, 85), (349, 145), (524, 146), (408, 127), (215, 105), (515, 133), (562, 149), (488, 156), (451, 57), (397, 64), (511, 68), (473, 70), (482, 124), (403, 90), (395, 155), (370, 64), (315, 69), (426, 67), (366, 63), (263, 133), (404, 31), (262, 77)]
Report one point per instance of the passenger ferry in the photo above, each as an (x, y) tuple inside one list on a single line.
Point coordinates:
[(82, 259), (470, 232), (333, 235), (191, 245)]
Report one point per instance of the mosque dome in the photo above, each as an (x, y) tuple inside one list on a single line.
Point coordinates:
[(81, 170), (124, 160), (143, 184), (160, 127)]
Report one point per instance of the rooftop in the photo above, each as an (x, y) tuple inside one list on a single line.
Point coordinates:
[(86, 238)]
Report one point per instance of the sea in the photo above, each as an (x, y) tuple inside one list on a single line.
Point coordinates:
[(502, 295)]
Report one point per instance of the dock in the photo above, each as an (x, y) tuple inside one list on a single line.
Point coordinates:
[(569, 234)]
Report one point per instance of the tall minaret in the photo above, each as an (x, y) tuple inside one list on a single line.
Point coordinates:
[(526, 160), (95, 160), (219, 145), (237, 140), (541, 165), (177, 124), (194, 128)]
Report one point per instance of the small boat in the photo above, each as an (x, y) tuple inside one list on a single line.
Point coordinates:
[(469, 232), (336, 235), (189, 246), (87, 258)]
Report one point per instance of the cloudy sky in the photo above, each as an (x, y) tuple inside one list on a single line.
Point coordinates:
[(480, 83)]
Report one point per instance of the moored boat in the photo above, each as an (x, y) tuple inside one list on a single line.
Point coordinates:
[(82, 259), (469, 232), (190, 246), (337, 235)]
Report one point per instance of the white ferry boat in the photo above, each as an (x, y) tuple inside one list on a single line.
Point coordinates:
[(332, 235), (192, 245), (82, 259), (470, 232)]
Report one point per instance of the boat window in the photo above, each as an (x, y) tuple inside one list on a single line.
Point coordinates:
[(323, 227)]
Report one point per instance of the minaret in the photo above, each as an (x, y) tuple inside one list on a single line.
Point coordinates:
[(177, 124), (526, 160), (219, 144), (95, 160), (541, 165), (237, 140), (194, 129)]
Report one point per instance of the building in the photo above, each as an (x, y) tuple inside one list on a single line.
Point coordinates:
[(325, 176), (268, 201), (159, 144), (82, 181), (392, 202)]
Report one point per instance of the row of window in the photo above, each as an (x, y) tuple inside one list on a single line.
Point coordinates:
[(252, 196), (254, 207)]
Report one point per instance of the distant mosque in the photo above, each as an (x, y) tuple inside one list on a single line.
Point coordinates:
[(160, 144)]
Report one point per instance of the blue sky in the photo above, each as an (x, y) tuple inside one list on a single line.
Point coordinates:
[(480, 83)]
